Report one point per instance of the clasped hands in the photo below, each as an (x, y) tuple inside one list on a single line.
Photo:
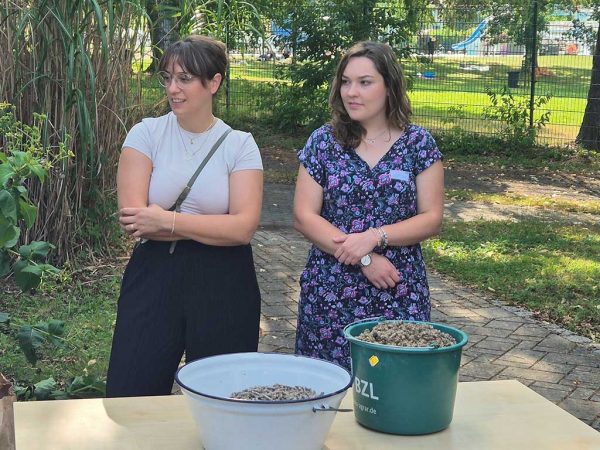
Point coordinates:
[(352, 247), (145, 222)]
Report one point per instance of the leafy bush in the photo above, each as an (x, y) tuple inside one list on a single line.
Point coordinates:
[(514, 112), (293, 107), (23, 158), (458, 141)]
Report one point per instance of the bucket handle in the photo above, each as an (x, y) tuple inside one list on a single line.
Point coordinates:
[(327, 408)]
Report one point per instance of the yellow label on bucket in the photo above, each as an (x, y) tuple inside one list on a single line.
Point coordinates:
[(373, 360)]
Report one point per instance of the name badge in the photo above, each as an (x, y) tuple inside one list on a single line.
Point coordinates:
[(400, 175)]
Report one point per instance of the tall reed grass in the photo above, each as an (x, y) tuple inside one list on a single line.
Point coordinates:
[(71, 59)]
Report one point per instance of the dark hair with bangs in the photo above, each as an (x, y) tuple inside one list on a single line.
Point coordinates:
[(201, 56), (350, 132)]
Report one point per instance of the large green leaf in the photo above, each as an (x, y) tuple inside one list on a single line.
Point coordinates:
[(9, 234), (20, 265), (44, 388), (4, 317), (87, 386), (38, 170), (30, 339), (28, 212), (35, 251), (8, 206), (48, 268), (29, 277), (6, 173), (4, 263), (54, 329), (59, 395), (19, 158), (23, 392)]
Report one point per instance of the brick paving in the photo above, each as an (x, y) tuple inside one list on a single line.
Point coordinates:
[(505, 342)]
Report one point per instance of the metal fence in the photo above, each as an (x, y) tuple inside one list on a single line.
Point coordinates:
[(453, 68)]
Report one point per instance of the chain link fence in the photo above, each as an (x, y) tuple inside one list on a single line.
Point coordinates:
[(462, 74)]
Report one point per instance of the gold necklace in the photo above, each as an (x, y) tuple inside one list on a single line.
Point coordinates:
[(371, 141), (205, 134)]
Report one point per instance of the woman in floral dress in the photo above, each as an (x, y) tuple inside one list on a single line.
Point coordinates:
[(370, 188)]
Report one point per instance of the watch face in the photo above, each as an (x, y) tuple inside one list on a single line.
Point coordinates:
[(365, 260)]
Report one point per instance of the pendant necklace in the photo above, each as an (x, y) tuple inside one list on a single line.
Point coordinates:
[(195, 139), (372, 140)]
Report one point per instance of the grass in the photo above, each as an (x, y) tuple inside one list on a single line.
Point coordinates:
[(552, 270), (86, 302), (570, 74), (589, 207), (439, 110), (435, 101), (549, 269), (455, 98)]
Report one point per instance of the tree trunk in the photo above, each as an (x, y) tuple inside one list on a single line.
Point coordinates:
[(589, 133), (163, 30)]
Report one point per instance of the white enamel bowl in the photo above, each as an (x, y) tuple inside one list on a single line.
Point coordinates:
[(226, 424)]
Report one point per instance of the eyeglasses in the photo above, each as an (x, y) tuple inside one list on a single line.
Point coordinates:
[(181, 79)]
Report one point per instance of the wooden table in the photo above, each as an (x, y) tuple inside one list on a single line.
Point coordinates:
[(488, 415)]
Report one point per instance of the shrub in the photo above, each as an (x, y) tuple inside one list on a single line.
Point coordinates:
[(23, 159), (514, 113)]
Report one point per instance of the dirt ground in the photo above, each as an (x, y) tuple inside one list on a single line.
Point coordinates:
[(475, 177), (546, 183)]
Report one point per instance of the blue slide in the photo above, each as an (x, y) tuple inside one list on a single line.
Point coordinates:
[(476, 35)]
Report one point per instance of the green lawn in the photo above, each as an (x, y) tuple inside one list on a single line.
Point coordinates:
[(567, 75), (549, 269), (435, 102), (86, 304), (456, 97)]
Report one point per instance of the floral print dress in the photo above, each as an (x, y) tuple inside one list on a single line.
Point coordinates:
[(356, 198)]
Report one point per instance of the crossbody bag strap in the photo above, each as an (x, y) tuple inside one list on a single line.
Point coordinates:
[(177, 205)]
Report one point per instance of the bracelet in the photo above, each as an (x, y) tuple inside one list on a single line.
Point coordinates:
[(384, 238), (173, 225), (378, 234)]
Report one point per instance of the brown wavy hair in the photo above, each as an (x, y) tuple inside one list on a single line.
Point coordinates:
[(350, 132), (201, 56)]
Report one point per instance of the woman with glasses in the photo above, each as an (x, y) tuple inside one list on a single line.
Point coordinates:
[(190, 284), (369, 190)]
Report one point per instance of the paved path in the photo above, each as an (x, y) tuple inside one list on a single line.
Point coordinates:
[(504, 342)]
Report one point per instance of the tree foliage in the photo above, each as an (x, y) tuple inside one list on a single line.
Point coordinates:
[(319, 33), (231, 21)]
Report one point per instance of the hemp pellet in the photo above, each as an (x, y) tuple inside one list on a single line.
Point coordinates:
[(402, 334)]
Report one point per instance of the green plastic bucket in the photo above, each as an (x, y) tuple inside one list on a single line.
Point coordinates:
[(404, 390)]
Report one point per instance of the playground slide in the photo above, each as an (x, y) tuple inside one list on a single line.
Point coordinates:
[(476, 35)]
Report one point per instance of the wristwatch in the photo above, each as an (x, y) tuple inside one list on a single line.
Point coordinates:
[(365, 260)]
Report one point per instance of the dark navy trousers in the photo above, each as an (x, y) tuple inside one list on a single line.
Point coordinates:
[(201, 299)]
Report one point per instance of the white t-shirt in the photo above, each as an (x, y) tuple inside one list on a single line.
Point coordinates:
[(175, 159)]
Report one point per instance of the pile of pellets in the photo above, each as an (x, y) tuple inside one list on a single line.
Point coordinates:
[(276, 392), (401, 334)]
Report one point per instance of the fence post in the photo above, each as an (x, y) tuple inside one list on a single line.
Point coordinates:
[(533, 60), (228, 72)]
